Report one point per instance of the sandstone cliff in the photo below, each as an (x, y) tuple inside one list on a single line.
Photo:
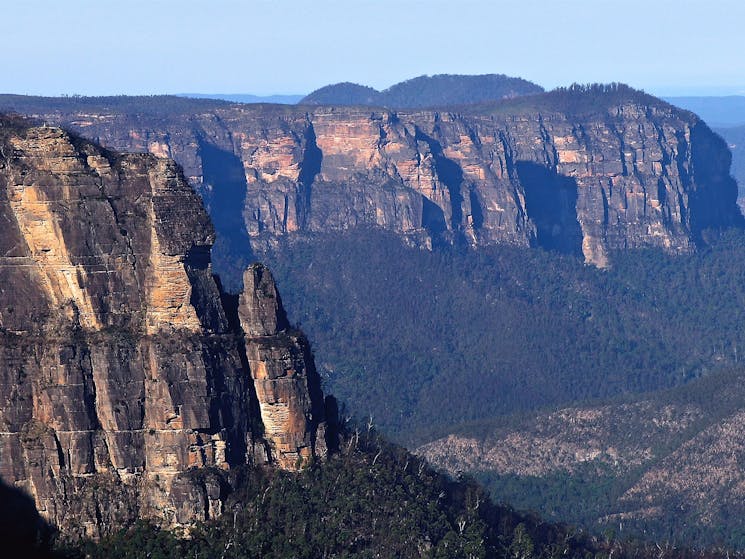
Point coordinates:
[(286, 382), (124, 388), (581, 171)]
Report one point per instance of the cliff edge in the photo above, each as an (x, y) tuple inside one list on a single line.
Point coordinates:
[(124, 387), (584, 170)]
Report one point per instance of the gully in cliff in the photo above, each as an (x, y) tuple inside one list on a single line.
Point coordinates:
[(583, 170)]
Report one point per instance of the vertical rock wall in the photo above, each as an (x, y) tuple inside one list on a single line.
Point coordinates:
[(630, 170), (123, 388), (286, 382)]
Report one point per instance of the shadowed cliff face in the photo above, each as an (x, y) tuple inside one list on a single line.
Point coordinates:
[(23, 532), (619, 173), (223, 190), (551, 203), (710, 163), (119, 369)]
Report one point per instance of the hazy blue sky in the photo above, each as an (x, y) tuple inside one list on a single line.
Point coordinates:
[(291, 46)]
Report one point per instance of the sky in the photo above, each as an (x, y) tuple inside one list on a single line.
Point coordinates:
[(106, 47)]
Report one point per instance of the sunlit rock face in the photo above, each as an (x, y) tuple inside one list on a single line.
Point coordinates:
[(286, 382), (586, 173), (124, 391)]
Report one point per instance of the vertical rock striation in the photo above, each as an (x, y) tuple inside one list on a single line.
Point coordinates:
[(123, 386), (579, 171), (286, 382)]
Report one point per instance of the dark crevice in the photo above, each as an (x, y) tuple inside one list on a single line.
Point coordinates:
[(221, 406), (681, 157), (605, 208), (237, 449), (315, 392), (451, 175), (89, 384), (224, 195), (551, 203), (207, 307), (309, 169), (230, 306), (433, 218), (621, 151), (333, 424), (509, 163), (662, 197), (60, 452), (477, 213)]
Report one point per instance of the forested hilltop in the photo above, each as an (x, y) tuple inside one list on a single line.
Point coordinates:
[(425, 91)]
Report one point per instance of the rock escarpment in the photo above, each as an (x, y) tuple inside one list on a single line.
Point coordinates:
[(581, 171), (124, 388), (287, 384)]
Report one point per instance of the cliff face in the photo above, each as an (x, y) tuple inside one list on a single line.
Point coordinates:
[(606, 170), (123, 386), (287, 384)]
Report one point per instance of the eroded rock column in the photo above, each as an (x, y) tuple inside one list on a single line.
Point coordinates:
[(287, 384)]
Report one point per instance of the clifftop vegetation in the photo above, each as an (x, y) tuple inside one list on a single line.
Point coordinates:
[(425, 91), (151, 105), (371, 500)]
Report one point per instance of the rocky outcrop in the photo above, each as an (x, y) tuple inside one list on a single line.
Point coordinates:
[(124, 390), (286, 382), (567, 440), (705, 473), (583, 171)]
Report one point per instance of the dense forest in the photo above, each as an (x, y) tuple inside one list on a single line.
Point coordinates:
[(426, 341), (372, 499), (426, 91)]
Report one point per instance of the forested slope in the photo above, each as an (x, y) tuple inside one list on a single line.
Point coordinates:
[(424, 341)]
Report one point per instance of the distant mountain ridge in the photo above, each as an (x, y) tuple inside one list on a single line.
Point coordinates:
[(426, 91), (245, 98), (584, 170)]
